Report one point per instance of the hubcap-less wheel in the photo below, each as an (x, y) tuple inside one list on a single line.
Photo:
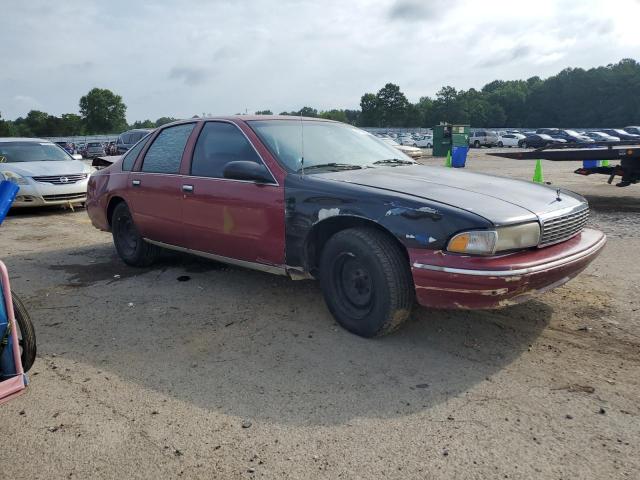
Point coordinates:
[(127, 235), (355, 284), (131, 247)]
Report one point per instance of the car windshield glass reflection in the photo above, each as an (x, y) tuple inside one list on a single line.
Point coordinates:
[(19, 152), (332, 145)]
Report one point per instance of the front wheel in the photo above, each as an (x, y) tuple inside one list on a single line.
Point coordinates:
[(26, 333), (500, 144), (524, 145), (366, 281), (130, 245), (476, 144)]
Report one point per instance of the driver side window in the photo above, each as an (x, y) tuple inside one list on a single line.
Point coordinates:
[(218, 144)]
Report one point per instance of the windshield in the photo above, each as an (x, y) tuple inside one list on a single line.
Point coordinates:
[(17, 152), (573, 133), (323, 143)]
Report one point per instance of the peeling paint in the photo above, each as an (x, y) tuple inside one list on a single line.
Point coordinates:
[(413, 213), (328, 212)]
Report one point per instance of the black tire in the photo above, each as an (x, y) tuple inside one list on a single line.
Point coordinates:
[(366, 282), (131, 247), (524, 145), (26, 333), (476, 144), (500, 144)]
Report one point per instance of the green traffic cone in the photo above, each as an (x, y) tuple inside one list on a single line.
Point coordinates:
[(447, 162), (604, 163), (537, 174)]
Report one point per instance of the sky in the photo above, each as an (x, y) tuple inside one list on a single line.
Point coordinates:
[(184, 57)]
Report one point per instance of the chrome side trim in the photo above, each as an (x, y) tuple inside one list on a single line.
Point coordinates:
[(520, 271), (219, 258)]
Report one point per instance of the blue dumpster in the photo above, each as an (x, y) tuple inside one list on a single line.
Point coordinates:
[(459, 157)]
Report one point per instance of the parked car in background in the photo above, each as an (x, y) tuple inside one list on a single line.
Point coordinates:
[(46, 173), (406, 140), (413, 152), (632, 130), (483, 138), (510, 139), (425, 141), (94, 149), (129, 138), (538, 140), (571, 136), (377, 229), (621, 134), (601, 137)]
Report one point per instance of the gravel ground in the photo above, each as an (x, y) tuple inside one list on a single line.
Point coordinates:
[(197, 370)]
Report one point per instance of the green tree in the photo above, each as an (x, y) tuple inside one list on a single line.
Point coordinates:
[(370, 116), (264, 112), (7, 128), (393, 105), (337, 115), (103, 111), (143, 124), (164, 120)]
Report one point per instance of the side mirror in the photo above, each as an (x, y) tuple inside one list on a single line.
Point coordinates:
[(245, 170), (77, 156)]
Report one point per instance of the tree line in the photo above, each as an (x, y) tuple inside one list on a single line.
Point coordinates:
[(575, 97)]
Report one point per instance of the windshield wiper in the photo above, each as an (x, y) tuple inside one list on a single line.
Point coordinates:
[(338, 166), (396, 161)]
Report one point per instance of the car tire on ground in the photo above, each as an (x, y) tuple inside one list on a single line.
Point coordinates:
[(366, 281), (524, 145), (476, 144), (131, 247), (429, 145), (500, 144), (26, 333)]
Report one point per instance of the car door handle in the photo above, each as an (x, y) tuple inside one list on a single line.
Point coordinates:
[(187, 188), (135, 183)]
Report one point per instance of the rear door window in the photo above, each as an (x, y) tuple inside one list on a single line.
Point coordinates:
[(132, 154), (165, 153)]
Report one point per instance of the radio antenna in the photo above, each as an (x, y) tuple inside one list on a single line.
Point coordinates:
[(301, 145)]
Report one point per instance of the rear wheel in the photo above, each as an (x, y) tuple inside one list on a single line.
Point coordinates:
[(524, 145), (26, 333), (500, 144), (366, 281), (131, 247), (476, 144)]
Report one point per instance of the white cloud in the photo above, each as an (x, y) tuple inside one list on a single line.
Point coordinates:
[(184, 57)]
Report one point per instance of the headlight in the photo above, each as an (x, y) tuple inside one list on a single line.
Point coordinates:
[(15, 178), (488, 242)]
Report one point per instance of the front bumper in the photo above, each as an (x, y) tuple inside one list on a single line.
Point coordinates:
[(444, 280), (37, 194)]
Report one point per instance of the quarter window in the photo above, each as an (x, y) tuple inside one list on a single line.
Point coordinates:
[(132, 154), (165, 153), (218, 144)]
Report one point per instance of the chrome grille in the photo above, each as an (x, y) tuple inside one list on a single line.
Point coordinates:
[(64, 196), (61, 179), (561, 228)]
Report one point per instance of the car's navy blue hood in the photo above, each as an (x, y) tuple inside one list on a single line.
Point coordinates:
[(498, 199)]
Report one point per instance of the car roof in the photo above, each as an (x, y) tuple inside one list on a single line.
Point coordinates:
[(23, 139)]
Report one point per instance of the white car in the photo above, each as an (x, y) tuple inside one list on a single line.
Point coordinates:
[(406, 140), (425, 141), (45, 173), (407, 150), (510, 139)]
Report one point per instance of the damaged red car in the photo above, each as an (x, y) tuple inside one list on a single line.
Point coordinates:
[(311, 198)]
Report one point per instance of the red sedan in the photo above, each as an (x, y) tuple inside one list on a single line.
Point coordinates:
[(310, 198)]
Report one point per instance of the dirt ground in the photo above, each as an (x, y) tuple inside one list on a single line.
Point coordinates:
[(193, 369)]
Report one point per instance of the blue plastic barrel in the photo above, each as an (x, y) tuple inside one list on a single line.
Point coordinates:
[(8, 192), (459, 157)]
